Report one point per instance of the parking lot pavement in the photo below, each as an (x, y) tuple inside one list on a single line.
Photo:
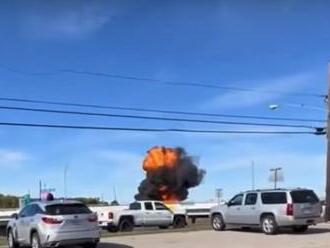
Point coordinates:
[(316, 237)]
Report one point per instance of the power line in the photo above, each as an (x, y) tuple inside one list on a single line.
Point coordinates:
[(107, 128), (55, 111), (165, 82), (160, 111)]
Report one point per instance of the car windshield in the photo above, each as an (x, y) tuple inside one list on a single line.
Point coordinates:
[(67, 209), (304, 196)]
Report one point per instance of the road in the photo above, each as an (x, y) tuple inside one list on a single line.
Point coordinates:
[(316, 237)]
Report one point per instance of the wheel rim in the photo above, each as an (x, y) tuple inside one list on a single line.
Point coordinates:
[(217, 222), (10, 240), (268, 225), (35, 243)]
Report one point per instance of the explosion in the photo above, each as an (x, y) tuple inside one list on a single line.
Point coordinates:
[(169, 175)]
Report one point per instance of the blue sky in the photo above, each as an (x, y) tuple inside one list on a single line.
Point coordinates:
[(264, 45)]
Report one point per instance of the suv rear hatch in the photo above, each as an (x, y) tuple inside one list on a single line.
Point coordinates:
[(71, 217), (306, 204)]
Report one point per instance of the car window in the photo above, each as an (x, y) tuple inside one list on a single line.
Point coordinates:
[(148, 206), (24, 212), (67, 209), (135, 206), (251, 199), (304, 196), (160, 206), (38, 210), (236, 201), (274, 198)]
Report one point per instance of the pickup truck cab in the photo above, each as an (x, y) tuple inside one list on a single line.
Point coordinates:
[(143, 213)]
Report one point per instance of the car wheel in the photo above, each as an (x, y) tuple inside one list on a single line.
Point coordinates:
[(163, 227), (179, 222), (112, 229), (35, 241), (269, 225), (90, 245), (126, 225), (217, 222), (300, 229), (11, 240)]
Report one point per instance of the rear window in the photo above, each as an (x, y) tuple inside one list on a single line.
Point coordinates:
[(67, 209), (135, 206), (274, 198), (304, 196)]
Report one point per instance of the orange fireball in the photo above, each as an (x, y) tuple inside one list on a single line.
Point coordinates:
[(159, 157)]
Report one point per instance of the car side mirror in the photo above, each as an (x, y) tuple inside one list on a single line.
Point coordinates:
[(14, 216)]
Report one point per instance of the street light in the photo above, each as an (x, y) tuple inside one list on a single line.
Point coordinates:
[(295, 105)]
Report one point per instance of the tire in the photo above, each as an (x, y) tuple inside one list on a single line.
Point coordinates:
[(269, 225), (126, 225), (217, 222), (179, 222), (90, 245), (35, 241), (112, 229), (300, 229), (11, 240), (163, 227)]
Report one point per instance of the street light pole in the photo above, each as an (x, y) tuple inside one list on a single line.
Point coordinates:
[(327, 194), (275, 170)]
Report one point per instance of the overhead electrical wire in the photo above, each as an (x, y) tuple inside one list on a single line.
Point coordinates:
[(108, 128), (158, 118), (165, 82), (160, 111)]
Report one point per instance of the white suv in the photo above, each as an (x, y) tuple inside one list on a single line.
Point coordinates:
[(270, 210), (53, 224)]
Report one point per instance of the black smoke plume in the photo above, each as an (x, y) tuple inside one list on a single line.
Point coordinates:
[(177, 180)]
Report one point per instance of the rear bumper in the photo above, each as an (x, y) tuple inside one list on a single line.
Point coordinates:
[(70, 242), (71, 238), (292, 221)]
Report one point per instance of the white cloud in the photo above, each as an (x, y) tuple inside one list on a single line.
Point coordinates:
[(247, 99), (58, 21), (9, 158)]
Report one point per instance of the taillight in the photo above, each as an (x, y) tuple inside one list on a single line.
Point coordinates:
[(110, 215), (92, 218), (51, 221), (289, 209)]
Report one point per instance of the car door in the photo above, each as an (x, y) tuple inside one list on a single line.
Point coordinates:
[(233, 214), (249, 209), (164, 215), (22, 224), (149, 218), (138, 213)]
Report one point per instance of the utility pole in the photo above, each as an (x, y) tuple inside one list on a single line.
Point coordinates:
[(276, 178), (65, 180), (327, 194), (252, 175)]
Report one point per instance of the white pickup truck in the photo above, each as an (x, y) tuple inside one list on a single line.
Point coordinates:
[(140, 213)]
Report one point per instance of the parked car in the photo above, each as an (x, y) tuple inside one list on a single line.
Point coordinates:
[(269, 210), (53, 224), (141, 213)]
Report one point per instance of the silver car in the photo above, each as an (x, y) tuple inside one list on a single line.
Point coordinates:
[(53, 224), (269, 210)]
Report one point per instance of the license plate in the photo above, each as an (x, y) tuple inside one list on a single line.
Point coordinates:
[(75, 222)]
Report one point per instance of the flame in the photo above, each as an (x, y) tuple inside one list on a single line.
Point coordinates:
[(159, 157), (162, 157)]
